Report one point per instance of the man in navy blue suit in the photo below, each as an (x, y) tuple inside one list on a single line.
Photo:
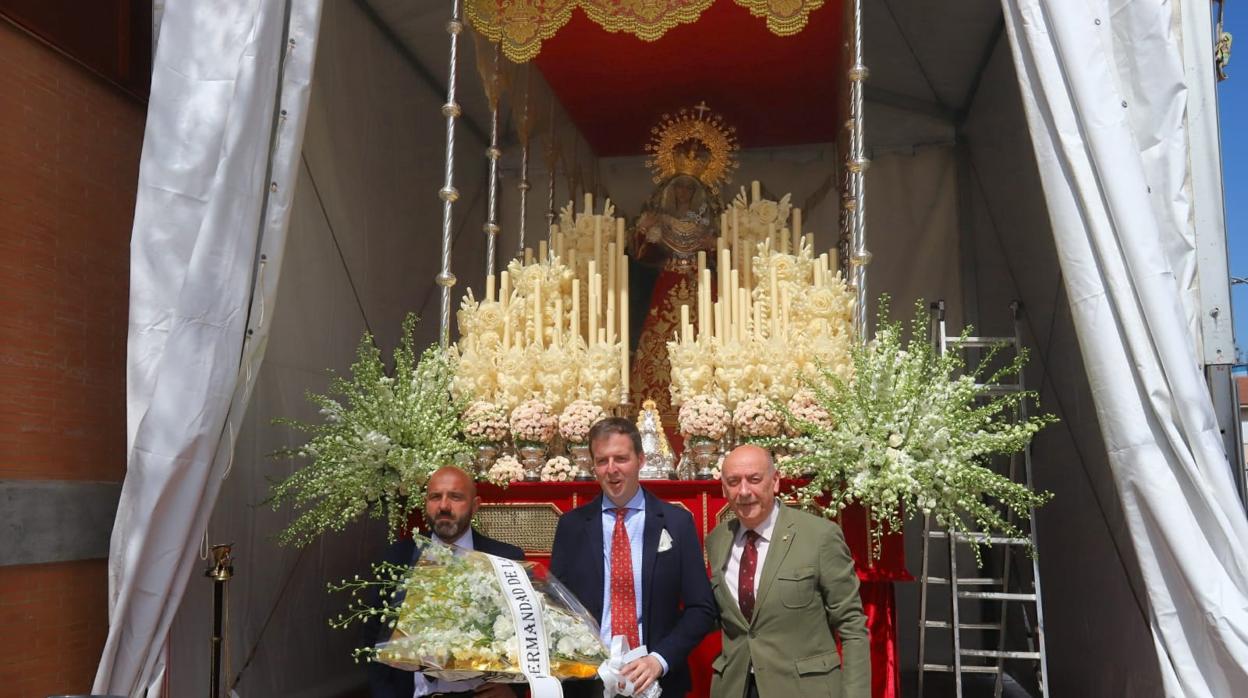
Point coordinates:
[(450, 502), (633, 560)]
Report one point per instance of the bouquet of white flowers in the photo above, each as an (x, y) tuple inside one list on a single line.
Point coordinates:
[(558, 469), (467, 615)]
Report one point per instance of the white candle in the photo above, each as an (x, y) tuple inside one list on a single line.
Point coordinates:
[(610, 315), (704, 305), (589, 204), (774, 302), (734, 306), (611, 278), (685, 331), (738, 254), (624, 390), (797, 221), (756, 191), (597, 239), (576, 310), (543, 254), (559, 320), (528, 256), (624, 319), (537, 315), (619, 235), (489, 287)]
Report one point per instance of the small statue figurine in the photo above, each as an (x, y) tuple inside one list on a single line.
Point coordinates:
[(659, 461)]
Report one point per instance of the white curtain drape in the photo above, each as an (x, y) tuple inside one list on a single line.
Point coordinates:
[(225, 122), (1103, 89)]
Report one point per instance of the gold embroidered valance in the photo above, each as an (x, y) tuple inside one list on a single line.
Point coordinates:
[(522, 25)]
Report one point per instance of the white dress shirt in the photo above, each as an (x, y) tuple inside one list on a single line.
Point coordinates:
[(732, 572), (635, 526), (424, 685)]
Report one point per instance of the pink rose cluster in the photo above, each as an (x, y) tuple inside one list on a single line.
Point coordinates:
[(558, 469), (703, 416), (807, 410), (577, 419), (532, 420), (485, 421), (756, 417)]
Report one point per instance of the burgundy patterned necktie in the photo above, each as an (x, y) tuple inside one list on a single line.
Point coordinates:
[(745, 576), (623, 595)]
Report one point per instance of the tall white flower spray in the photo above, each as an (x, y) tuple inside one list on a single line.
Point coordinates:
[(913, 432), (383, 434)]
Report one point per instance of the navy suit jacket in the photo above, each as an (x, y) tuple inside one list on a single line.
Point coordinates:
[(669, 579), (388, 682)]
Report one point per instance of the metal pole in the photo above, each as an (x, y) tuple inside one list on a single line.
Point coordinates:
[(448, 193), (857, 165), (552, 155), (493, 153), (221, 571), (523, 186)]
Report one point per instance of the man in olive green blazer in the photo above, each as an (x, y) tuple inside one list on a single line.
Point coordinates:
[(795, 574)]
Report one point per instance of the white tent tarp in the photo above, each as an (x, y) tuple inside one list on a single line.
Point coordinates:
[(203, 238), (1104, 94)]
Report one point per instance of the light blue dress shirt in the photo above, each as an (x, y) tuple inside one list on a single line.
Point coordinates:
[(635, 525)]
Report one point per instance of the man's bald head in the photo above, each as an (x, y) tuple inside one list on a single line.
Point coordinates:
[(750, 483), (450, 502)]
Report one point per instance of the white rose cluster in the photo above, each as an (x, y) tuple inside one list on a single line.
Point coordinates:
[(757, 417), (558, 469), (485, 422), (703, 416), (577, 419), (806, 411), (505, 471), (532, 420)]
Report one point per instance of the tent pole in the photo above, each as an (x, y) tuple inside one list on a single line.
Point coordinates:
[(857, 164), (493, 153), (448, 193)]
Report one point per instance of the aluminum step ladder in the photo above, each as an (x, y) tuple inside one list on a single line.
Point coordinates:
[(1000, 577)]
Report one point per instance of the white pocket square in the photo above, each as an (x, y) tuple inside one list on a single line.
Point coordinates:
[(665, 541)]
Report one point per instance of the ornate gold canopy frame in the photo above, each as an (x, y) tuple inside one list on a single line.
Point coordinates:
[(519, 27), (522, 25)]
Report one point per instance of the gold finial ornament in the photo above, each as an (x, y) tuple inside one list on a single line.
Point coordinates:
[(695, 142)]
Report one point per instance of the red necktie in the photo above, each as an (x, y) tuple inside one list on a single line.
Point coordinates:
[(745, 576), (623, 596)]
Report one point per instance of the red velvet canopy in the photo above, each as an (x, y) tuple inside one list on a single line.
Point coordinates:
[(775, 90)]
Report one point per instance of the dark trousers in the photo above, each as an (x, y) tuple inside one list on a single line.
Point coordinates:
[(751, 687)]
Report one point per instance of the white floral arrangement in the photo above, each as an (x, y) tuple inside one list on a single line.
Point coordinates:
[(577, 419), (532, 420), (382, 436), (485, 422), (912, 435), (703, 416), (454, 621), (558, 469), (504, 471), (805, 412), (757, 418)]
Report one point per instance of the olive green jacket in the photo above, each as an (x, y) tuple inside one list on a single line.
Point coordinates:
[(791, 645)]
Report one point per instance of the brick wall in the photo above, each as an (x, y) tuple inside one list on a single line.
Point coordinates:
[(69, 144)]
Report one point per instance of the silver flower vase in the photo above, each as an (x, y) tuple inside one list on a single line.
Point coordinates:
[(532, 457), (579, 452), (487, 453), (705, 455)]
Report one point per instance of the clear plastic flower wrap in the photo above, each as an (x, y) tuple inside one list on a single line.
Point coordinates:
[(451, 618)]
